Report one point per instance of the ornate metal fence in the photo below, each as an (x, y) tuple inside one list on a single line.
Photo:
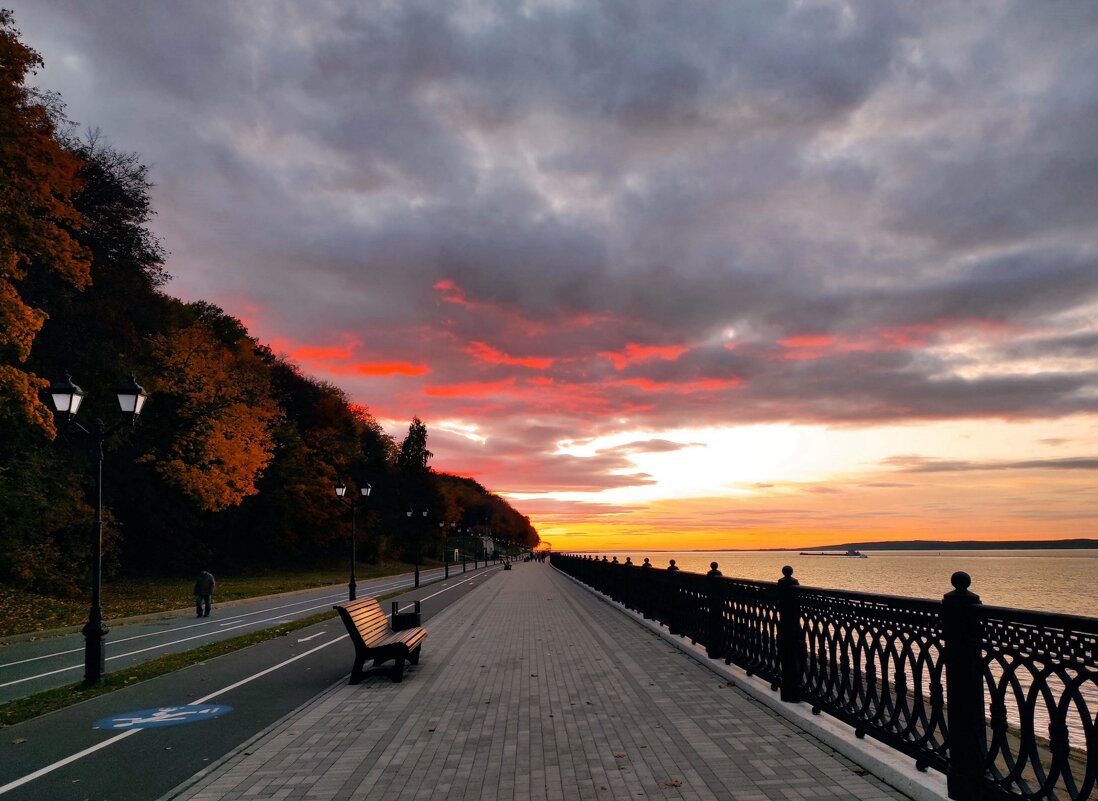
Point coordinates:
[(1003, 701)]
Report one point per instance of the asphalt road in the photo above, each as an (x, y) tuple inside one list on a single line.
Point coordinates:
[(63, 757), (31, 666)]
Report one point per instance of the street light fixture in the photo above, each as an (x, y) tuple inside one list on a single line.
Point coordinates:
[(341, 492), (67, 398)]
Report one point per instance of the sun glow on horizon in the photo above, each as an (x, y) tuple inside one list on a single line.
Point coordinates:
[(784, 484)]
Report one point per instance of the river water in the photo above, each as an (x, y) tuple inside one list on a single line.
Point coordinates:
[(1064, 581), (1059, 581)]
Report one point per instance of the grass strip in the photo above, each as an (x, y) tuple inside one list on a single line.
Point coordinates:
[(32, 706), (26, 612)]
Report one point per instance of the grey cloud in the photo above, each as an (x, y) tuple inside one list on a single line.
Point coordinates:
[(652, 446), (919, 464), (596, 175), (1083, 345)]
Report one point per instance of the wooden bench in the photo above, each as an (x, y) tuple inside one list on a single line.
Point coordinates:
[(374, 639)]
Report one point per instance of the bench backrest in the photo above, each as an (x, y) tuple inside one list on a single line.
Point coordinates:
[(366, 616)]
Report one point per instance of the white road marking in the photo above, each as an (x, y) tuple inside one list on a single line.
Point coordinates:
[(229, 626), (98, 746), (432, 595), (161, 645), (379, 589)]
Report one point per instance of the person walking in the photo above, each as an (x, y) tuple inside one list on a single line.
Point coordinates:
[(203, 593)]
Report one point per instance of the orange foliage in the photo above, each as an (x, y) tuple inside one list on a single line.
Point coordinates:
[(19, 399), (223, 436), (39, 178)]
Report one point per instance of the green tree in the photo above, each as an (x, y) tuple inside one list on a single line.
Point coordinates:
[(413, 456)]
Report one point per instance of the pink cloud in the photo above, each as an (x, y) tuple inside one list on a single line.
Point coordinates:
[(452, 293), (338, 359), (471, 389), (681, 387), (379, 369), (486, 353), (636, 354), (814, 345)]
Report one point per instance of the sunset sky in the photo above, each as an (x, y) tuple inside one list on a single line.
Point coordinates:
[(666, 275)]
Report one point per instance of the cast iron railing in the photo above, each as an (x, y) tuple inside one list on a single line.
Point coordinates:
[(1003, 701)]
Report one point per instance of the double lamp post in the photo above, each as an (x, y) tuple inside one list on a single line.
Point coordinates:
[(354, 503), (67, 398)]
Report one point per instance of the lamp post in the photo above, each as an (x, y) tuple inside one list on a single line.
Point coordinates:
[(341, 492), (445, 551), (67, 398), (417, 545)]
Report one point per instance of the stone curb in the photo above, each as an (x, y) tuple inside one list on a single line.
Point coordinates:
[(885, 763)]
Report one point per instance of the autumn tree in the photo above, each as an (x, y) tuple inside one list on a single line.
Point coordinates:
[(236, 452), (475, 508), (38, 177), (217, 393)]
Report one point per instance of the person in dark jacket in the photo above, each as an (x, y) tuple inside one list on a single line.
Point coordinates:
[(203, 593)]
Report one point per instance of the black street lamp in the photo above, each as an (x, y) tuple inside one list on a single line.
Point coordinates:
[(417, 545), (67, 398), (445, 551), (341, 492)]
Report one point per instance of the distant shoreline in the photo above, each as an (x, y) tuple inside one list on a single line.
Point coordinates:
[(955, 545), (897, 545)]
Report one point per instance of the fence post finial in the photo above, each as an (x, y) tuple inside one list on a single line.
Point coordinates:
[(790, 636), (967, 740)]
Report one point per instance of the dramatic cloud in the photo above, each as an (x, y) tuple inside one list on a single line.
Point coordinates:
[(552, 222)]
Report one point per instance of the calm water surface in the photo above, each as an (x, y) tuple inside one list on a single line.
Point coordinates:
[(1049, 580)]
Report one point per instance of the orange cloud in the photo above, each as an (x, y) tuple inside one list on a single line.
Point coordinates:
[(486, 353), (379, 369), (299, 352), (634, 354), (683, 387), (308, 353), (471, 389), (327, 358), (807, 341), (537, 394)]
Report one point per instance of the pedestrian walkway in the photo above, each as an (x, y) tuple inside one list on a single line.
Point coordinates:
[(529, 688)]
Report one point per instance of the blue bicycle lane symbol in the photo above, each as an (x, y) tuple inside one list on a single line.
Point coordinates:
[(162, 716)]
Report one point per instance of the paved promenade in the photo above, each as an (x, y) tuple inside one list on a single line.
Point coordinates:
[(530, 688)]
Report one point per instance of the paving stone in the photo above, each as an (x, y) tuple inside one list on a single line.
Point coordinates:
[(530, 689)]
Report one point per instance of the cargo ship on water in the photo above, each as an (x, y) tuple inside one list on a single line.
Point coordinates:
[(853, 554)]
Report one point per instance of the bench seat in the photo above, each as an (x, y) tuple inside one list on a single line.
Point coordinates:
[(374, 639)]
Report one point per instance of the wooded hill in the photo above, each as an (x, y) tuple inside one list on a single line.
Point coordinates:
[(235, 457)]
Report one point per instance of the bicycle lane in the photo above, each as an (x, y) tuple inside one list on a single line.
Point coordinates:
[(30, 666), (260, 684)]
